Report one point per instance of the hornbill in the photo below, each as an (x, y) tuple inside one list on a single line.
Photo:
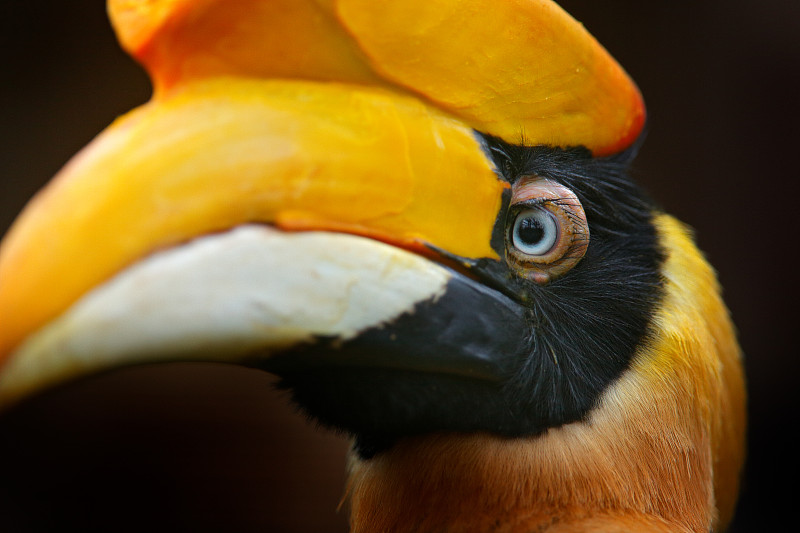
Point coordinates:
[(419, 216)]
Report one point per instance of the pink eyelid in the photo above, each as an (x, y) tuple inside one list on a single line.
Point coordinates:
[(573, 238)]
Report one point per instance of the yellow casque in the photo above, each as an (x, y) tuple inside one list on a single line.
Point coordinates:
[(228, 138)]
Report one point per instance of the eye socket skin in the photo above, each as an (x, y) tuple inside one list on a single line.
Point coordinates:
[(546, 231)]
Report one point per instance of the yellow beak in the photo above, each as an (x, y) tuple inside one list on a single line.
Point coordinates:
[(350, 116)]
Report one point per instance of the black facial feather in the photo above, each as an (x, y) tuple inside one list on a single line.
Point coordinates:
[(555, 347), (585, 326)]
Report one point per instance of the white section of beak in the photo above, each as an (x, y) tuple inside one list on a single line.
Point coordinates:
[(223, 296)]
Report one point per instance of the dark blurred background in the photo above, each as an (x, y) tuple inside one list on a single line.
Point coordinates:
[(214, 448)]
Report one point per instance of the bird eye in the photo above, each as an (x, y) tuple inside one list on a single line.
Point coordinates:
[(535, 231), (547, 230)]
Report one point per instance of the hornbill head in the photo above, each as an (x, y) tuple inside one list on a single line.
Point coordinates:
[(418, 215)]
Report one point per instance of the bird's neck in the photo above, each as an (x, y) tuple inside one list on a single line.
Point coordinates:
[(569, 479)]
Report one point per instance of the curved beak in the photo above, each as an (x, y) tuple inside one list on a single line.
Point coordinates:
[(241, 215), (123, 234)]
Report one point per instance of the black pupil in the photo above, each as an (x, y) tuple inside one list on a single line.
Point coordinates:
[(531, 231)]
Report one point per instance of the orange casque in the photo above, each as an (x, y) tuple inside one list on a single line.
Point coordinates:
[(285, 111)]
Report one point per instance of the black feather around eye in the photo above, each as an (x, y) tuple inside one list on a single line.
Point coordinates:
[(587, 325), (602, 184)]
